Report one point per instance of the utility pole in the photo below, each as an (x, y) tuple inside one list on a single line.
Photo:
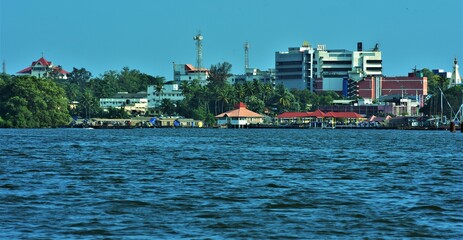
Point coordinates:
[(199, 51), (246, 56)]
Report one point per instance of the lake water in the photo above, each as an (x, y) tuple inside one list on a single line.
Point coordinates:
[(230, 184)]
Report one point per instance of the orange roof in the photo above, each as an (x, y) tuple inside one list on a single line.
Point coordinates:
[(318, 114), (344, 115), (240, 111), (294, 115)]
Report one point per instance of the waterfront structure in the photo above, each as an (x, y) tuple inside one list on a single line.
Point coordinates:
[(455, 79), (187, 72), (170, 90), (135, 103), (321, 69), (321, 119), (171, 122), (44, 68), (294, 68), (239, 117)]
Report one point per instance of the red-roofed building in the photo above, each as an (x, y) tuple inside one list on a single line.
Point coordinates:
[(187, 72), (320, 119), (44, 68), (239, 117)]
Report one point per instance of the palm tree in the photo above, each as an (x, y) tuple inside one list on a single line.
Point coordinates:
[(158, 87)]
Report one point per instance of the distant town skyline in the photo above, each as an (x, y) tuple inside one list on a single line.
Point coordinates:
[(150, 35)]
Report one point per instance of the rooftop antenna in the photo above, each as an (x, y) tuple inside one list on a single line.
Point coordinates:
[(199, 50), (246, 56)]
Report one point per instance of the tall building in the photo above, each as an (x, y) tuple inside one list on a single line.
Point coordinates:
[(323, 69), (339, 70), (294, 68), (44, 68)]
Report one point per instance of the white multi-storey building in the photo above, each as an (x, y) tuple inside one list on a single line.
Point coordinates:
[(294, 68), (321, 69), (132, 102), (254, 74), (187, 72), (171, 90)]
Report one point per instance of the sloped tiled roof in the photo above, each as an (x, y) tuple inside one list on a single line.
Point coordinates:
[(42, 61), (318, 114), (240, 111), (294, 115), (26, 70), (344, 115)]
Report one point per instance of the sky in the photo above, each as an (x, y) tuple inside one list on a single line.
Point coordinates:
[(147, 35)]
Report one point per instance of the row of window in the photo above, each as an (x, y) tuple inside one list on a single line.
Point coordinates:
[(375, 61), (290, 77), (169, 95), (338, 62), (289, 70), (289, 63)]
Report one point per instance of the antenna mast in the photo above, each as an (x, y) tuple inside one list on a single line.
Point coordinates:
[(246, 56), (199, 51)]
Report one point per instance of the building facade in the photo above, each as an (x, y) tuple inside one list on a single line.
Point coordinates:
[(135, 103), (171, 90), (378, 87), (294, 68), (321, 69), (187, 72), (44, 68), (254, 74)]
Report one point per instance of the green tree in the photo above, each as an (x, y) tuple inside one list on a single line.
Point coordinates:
[(167, 106), (219, 73), (29, 102), (158, 87)]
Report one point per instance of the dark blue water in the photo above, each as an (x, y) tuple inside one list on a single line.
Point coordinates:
[(230, 184)]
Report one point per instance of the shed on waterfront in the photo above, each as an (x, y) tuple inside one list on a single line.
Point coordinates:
[(239, 117)]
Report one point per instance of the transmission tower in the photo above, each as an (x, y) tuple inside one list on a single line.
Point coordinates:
[(199, 51), (246, 56)]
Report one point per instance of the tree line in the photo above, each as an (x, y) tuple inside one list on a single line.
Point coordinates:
[(27, 101)]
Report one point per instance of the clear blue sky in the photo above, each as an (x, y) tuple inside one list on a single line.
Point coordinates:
[(148, 35)]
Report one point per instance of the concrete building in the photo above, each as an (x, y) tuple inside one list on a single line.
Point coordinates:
[(44, 68), (338, 70), (294, 68), (378, 87), (135, 103), (254, 74), (187, 72), (321, 69), (171, 90)]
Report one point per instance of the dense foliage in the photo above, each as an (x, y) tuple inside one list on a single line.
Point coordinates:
[(29, 102), (33, 102)]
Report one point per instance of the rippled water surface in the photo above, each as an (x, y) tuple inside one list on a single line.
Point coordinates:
[(230, 183)]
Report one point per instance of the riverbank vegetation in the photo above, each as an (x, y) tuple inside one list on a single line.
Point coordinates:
[(37, 102)]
